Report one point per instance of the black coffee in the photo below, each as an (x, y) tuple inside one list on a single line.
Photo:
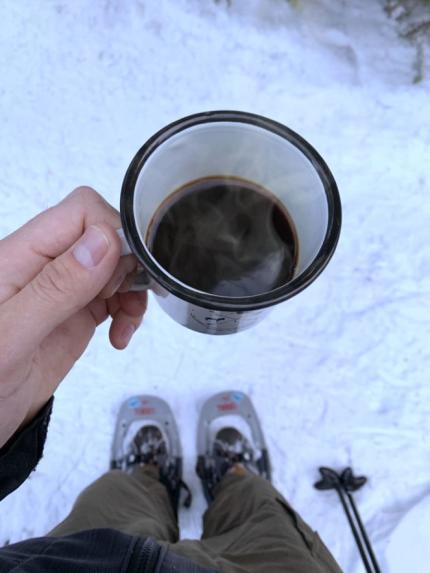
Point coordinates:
[(225, 236)]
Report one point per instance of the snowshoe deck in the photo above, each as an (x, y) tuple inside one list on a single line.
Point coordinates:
[(144, 410), (230, 403)]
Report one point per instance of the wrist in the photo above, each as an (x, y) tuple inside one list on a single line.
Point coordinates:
[(15, 412)]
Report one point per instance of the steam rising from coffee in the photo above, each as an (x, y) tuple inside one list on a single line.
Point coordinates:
[(225, 236)]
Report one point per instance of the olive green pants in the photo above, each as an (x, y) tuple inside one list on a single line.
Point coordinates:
[(249, 528)]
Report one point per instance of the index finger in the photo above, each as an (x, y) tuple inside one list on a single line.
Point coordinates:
[(25, 252)]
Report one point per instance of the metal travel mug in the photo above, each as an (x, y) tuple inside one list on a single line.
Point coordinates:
[(229, 144)]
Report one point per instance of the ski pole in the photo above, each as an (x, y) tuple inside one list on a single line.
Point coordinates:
[(344, 484), (351, 483), (355, 532)]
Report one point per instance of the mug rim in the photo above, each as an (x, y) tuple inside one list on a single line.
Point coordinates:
[(212, 301)]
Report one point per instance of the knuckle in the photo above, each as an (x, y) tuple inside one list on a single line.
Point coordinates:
[(54, 283), (85, 193), (88, 198), (142, 300)]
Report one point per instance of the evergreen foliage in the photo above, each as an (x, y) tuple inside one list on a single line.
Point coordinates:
[(413, 20)]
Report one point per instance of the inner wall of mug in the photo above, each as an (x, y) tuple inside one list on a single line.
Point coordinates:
[(238, 150)]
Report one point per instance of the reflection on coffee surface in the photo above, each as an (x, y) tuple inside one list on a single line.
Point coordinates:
[(225, 236)]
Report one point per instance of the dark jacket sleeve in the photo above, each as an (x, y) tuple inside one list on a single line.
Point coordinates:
[(21, 454), (101, 550)]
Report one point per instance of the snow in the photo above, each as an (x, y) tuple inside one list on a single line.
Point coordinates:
[(338, 374), (409, 538)]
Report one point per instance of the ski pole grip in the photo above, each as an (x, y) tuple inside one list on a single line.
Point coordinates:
[(142, 280)]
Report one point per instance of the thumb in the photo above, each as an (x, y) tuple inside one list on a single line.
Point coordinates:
[(64, 286)]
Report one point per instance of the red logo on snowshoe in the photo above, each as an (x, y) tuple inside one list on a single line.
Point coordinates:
[(145, 411), (226, 407)]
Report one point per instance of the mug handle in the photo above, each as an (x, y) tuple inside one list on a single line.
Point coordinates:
[(142, 281)]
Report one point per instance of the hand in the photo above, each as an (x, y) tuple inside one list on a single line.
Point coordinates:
[(60, 277)]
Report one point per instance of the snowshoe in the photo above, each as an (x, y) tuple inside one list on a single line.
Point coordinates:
[(222, 442), (146, 433)]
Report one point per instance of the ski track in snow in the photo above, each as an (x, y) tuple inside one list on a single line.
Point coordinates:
[(339, 375)]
